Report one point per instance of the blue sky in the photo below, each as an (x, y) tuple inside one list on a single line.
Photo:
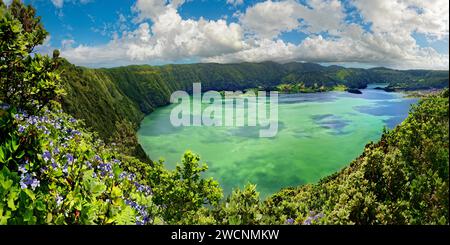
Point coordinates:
[(401, 34)]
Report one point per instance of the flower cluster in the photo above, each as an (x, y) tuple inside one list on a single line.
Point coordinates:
[(143, 217), (127, 176), (147, 190), (59, 158), (105, 170), (290, 221), (44, 123), (27, 180), (312, 217)]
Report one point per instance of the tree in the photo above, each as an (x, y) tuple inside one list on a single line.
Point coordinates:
[(28, 80), (183, 192)]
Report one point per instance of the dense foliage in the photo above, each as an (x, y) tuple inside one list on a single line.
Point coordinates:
[(26, 80), (53, 170)]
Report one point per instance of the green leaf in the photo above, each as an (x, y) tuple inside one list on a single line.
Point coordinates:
[(30, 193), (2, 155), (49, 218), (12, 197), (6, 184)]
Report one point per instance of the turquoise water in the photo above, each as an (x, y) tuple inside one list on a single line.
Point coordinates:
[(318, 134)]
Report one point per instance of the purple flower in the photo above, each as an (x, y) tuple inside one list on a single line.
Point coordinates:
[(69, 158), (97, 158), (54, 164), (122, 175), (21, 129), (72, 120), (106, 169), (59, 200), (76, 132), (308, 221), (32, 120), (27, 180), (290, 221), (46, 156), (35, 183), (22, 168)]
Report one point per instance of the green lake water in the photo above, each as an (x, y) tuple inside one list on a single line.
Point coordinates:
[(318, 134)]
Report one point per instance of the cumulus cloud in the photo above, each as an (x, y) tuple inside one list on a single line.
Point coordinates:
[(163, 35), (235, 2), (405, 16), (170, 38), (269, 19)]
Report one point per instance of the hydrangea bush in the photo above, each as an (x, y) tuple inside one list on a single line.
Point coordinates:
[(53, 173)]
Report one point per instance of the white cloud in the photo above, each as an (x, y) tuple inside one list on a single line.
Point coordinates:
[(164, 36), (389, 44), (170, 38), (67, 43), (58, 3), (429, 17), (235, 2), (269, 19), (151, 9)]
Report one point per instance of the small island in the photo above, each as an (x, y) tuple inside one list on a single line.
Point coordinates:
[(354, 91)]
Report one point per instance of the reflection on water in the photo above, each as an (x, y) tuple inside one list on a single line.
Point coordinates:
[(318, 134)]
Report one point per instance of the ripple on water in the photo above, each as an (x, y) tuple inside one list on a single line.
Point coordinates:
[(334, 123)]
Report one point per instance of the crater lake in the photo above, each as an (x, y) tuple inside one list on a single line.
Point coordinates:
[(318, 134)]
